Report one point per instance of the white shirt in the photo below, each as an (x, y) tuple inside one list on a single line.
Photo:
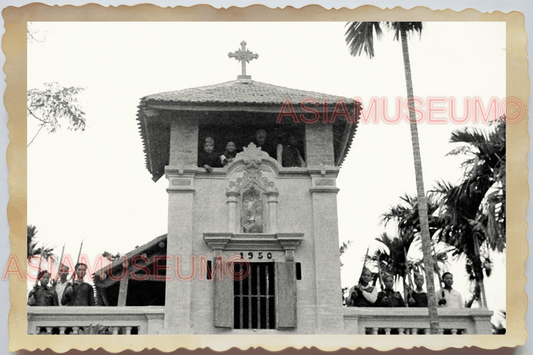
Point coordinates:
[(60, 288), (370, 296), (452, 297)]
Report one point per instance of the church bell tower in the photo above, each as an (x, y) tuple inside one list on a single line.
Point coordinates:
[(253, 245)]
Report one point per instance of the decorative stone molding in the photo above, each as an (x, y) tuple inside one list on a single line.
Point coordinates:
[(324, 189), (180, 180), (287, 242), (325, 182), (217, 241), (252, 169), (252, 157), (252, 154)]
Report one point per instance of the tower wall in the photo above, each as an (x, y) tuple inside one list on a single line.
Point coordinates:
[(300, 227)]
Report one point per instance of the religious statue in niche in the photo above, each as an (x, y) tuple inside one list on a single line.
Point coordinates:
[(252, 211)]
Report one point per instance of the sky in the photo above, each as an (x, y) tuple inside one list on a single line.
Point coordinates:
[(93, 185)]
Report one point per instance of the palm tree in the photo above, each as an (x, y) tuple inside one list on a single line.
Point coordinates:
[(473, 212), (407, 219), (391, 257), (360, 37), (440, 260), (33, 252), (32, 244)]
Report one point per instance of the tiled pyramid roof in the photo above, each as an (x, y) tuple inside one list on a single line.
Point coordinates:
[(235, 95), (238, 92)]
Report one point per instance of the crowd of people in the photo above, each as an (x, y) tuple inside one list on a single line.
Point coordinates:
[(364, 294), (62, 292), (286, 152), (76, 292)]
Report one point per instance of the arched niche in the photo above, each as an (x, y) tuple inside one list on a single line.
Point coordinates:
[(252, 196)]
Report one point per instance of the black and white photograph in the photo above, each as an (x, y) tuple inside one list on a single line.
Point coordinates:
[(267, 178)]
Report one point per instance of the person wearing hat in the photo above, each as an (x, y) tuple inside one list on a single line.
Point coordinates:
[(42, 294), (78, 293), (62, 283)]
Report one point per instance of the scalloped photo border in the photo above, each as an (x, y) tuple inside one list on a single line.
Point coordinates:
[(518, 86)]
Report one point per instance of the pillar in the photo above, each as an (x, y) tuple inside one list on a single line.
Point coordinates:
[(180, 174), (319, 144), (326, 254)]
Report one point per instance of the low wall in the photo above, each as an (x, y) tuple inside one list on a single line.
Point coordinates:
[(415, 321), (150, 320), (106, 320)]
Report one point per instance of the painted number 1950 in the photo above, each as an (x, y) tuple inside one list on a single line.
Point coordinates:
[(259, 255)]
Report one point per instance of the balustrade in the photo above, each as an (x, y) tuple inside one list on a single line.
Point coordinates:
[(150, 320), (415, 321), (95, 320)]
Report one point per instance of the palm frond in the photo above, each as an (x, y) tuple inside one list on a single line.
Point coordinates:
[(408, 27), (360, 37)]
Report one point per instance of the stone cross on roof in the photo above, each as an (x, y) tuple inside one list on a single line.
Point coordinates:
[(244, 56)]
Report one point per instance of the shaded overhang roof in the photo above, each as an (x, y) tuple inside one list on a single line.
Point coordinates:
[(117, 265), (242, 95)]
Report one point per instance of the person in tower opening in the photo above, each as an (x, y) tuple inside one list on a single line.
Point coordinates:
[(388, 297), (262, 142), (288, 154), (363, 294), (447, 296), (207, 158), (229, 154), (42, 294), (62, 283), (417, 297), (79, 293)]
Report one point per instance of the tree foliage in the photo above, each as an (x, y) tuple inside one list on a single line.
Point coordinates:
[(33, 251), (34, 35), (473, 212), (110, 256), (55, 106), (407, 218), (393, 251), (391, 257), (343, 248), (96, 329), (477, 204), (360, 37)]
